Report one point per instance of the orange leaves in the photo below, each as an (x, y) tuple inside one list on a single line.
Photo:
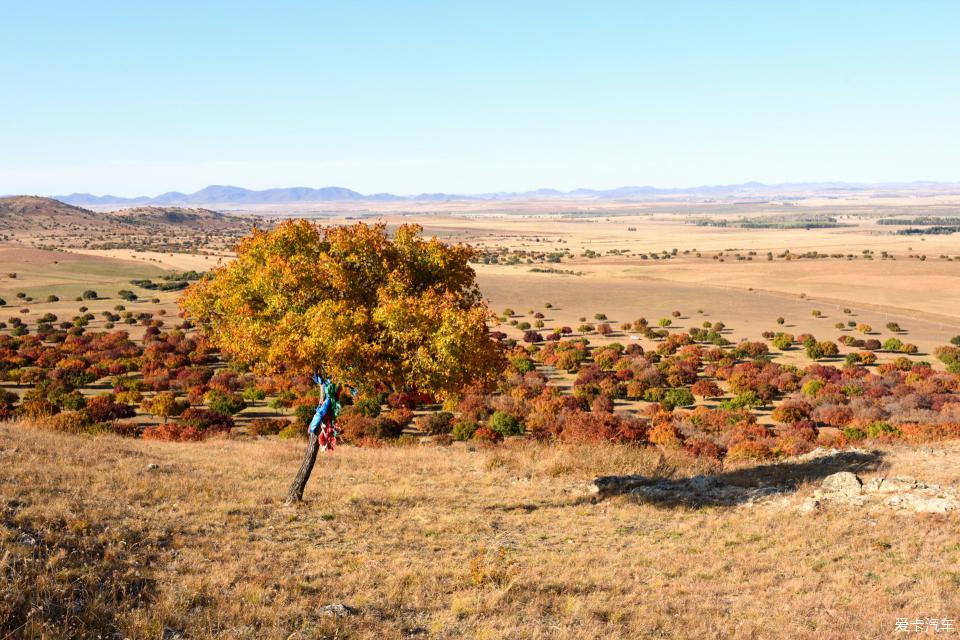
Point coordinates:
[(373, 311)]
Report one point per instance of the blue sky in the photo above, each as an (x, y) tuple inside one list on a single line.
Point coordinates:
[(131, 98)]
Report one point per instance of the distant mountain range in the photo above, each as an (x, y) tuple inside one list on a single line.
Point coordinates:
[(220, 194)]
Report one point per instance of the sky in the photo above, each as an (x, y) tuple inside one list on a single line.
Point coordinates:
[(133, 98)]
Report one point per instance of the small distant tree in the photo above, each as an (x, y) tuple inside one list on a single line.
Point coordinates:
[(89, 294), (706, 389), (892, 344), (783, 341), (165, 405), (665, 322), (780, 320)]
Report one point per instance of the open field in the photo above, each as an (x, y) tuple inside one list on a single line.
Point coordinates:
[(130, 537), (111, 535)]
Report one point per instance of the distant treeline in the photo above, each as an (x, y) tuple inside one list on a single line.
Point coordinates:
[(174, 281), (922, 221), (563, 272), (776, 222), (939, 230)]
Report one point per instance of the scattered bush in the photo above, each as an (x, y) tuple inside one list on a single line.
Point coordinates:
[(436, 423), (505, 424), (464, 430), (268, 426)]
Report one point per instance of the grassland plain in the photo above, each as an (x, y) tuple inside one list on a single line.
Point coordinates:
[(122, 537)]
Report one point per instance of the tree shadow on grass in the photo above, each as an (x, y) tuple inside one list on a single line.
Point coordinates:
[(737, 486)]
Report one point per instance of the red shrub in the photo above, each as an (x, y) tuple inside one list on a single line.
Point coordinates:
[(704, 448), (206, 420), (105, 408), (833, 415), (706, 389), (173, 432), (791, 412), (487, 435), (402, 400)]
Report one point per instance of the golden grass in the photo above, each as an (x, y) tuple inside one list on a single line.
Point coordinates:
[(436, 542)]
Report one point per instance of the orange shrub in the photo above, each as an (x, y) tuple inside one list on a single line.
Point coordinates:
[(173, 432), (749, 450), (267, 426), (666, 435), (487, 435), (703, 448)]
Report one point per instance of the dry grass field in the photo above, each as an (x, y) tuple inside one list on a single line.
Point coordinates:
[(109, 537), (117, 537)]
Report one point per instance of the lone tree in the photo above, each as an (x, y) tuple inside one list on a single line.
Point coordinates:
[(371, 312)]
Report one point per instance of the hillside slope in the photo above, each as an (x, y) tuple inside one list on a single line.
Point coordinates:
[(35, 214), (127, 538)]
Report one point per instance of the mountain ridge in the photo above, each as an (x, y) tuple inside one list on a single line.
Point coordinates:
[(229, 194)]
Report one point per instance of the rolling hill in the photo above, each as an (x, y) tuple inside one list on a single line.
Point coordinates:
[(39, 214)]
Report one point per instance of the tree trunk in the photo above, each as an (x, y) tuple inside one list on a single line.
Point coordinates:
[(295, 494)]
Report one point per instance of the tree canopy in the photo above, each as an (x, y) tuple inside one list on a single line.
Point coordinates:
[(371, 310)]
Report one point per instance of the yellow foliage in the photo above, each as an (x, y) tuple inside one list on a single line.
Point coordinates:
[(400, 313)]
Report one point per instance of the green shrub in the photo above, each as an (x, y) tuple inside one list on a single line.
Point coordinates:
[(253, 394), (294, 431), (304, 414), (742, 401), (521, 364), (877, 429), (680, 397), (854, 434), (812, 387), (653, 394), (505, 424), (369, 407), (225, 403), (464, 430)]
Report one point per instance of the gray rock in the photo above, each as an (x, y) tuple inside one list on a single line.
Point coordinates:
[(615, 485), (844, 483), (810, 505), (27, 539), (173, 634), (153, 466), (922, 504), (337, 610)]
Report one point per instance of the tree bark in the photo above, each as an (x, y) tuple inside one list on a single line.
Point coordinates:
[(295, 494)]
